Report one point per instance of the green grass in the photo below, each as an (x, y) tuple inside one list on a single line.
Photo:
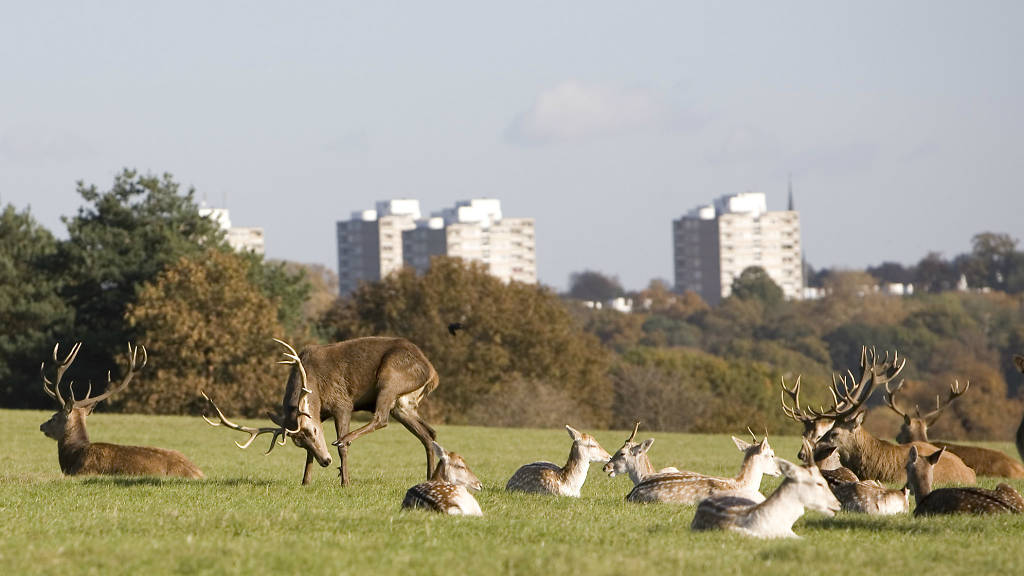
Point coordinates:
[(251, 516)]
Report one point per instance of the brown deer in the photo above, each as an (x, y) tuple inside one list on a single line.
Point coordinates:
[(632, 459), (869, 457), (970, 500), (448, 490), (803, 487), (691, 487), (1018, 361), (864, 496), (984, 461), (548, 478), (376, 374), (77, 455)]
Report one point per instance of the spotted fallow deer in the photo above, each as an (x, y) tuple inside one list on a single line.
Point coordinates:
[(871, 458), (77, 455), (548, 478), (691, 487), (632, 459), (803, 487), (968, 500), (984, 461), (385, 376), (449, 489), (864, 496)]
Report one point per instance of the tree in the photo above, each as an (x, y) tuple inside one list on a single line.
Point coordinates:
[(32, 313), (935, 274), (207, 327), (594, 286), (991, 259), (892, 273), (755, 284)]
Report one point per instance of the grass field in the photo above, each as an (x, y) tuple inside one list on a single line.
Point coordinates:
[(251, 516)]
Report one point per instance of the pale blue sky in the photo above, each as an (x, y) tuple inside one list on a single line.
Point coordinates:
[(900, 122)]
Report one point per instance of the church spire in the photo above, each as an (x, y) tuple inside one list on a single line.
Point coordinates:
[(792, 206)]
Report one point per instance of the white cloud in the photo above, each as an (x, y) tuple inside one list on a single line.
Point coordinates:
[(577, 111)]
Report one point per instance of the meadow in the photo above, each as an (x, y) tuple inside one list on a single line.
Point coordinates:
[(251, 516)]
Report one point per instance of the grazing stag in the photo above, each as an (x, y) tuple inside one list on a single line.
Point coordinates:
[(984, 461), (380, 375), (871, 458), (865, 496), (548, 478), (1018, 361), (775, 516), (873, 371), (448, 490), (632, 459), (77, 455), (691, 487), (970, 500)]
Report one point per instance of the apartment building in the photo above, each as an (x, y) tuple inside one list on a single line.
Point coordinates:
[(240, 238), (370, 243)]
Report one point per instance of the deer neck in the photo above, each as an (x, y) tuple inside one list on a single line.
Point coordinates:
[(778, 512), (862, 452), (641, 470), (921, 487), (751, 472), (574, 473), (74, 442)]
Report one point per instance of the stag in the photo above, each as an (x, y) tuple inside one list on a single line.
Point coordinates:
[(78, 455), (984, 461), (385, 376), (1018, 361), (969, 500)]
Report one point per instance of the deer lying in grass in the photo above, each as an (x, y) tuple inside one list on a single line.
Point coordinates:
[(984, 461), (865, 496), (548, 478), (77, 455), (448, 490), (632, 459), (691, 487), (970, 500), (775, 516)]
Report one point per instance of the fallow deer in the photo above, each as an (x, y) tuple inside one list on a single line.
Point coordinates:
[(548, 478), (77, 455), (869, 457), (865, 496), (376, 374), (632, 459), (691, 487), (984, 461), (969, 500), (775, 516), (449, 489)]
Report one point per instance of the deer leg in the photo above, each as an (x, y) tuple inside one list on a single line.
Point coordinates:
[(341, 422), (413, 423), (308, 473), (379, 420)]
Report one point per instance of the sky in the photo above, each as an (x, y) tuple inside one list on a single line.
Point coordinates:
[(899, 123)]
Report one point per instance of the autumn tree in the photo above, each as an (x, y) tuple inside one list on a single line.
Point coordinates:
[(207, 326)]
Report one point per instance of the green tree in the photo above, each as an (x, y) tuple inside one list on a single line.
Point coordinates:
[(32, 313), (207, 326), (991, 261), (594, 286), (755, 284)]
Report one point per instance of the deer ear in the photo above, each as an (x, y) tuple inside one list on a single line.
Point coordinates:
[(789, 470), (912, 455), (1018, 360), (933, 458), (646, 445), (439, 452), (741, 444), (573, 433)]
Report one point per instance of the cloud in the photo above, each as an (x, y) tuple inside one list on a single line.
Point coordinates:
[(577, 111)]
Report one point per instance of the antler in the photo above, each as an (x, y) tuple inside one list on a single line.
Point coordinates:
[(888, 397), (954, 392), (795, 412), (279, 431), (111, 388), (53, 389), (636, 426), (852, 396)]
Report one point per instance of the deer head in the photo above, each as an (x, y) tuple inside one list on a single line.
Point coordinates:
[(452, 468), (812, 490), (73, 411), (630, 456), (915, 428), (589, 449), (920, 471), (759, 455)]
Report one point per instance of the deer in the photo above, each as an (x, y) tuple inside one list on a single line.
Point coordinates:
[(382, 375), (869, 457), (961, 500), (549, 478), (77, 454), (984, 461), (802, 487), (856, 495), (1018, 361), (691, 487), (449, 489), (632, 459)]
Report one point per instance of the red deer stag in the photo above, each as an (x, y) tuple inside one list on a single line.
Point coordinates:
[(970, 500), (871, 458), (77, 455), (375, 374), (984, 461), (1018, 361)]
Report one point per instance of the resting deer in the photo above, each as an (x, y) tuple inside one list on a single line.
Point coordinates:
[(865, 496), (548, 478), (380, 375), (984, 461), (970, 500), (871, 458), (77, 455), (448, 490), (691, 487), (775, 516), (1018, 361), (632, 459)]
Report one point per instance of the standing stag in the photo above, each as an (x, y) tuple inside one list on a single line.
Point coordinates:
[(448, 490), (77, 455), (549, 478), (632, 459), (1018, 361), (984, 461), (385, 376), (970, 500)]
